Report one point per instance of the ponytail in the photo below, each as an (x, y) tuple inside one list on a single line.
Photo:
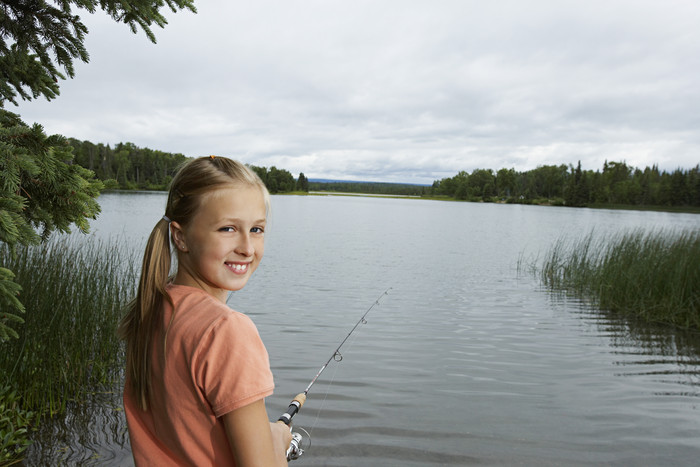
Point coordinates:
[(145, 311)]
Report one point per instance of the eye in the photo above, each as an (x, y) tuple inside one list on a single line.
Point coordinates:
[(258, 230), (227, 229)]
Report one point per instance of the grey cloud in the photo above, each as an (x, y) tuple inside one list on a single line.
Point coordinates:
[(397, 90)]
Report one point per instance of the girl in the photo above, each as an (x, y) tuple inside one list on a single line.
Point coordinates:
[(197, 372)]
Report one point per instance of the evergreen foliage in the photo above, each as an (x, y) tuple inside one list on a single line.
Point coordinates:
[(9, 290), (373, 188), (128, 166), (40, 37), (616, 184), (302, 183), (41, 191), (276, 180)]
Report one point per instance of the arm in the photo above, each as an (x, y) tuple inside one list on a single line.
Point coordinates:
[(251, 437)]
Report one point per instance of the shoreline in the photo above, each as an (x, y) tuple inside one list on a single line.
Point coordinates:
[(548, 203)]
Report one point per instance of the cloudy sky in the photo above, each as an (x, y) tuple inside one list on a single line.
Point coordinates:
[(396, 90)]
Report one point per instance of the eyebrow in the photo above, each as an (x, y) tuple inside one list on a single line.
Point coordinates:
[(236, 219)]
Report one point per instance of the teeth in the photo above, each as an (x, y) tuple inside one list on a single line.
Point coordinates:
[(239, 267)]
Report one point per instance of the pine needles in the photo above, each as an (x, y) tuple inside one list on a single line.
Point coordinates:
[(653, 275)]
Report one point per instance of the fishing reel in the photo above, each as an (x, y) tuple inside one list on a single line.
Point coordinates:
[(295, 449)]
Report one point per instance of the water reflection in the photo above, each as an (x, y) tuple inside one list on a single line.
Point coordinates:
[(92, 432), (658, 351), (656, 354), (463, 363)]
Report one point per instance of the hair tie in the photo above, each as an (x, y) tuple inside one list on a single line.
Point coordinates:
[(167, 219), (212, 157)]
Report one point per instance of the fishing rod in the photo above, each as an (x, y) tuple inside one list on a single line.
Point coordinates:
[(295, 450)]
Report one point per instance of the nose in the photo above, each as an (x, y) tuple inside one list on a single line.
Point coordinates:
[(245, 245)]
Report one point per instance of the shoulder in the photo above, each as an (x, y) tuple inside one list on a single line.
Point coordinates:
[(203, 314), (192, 297)]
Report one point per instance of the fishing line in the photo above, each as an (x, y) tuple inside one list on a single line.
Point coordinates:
[(295, 450), (338, 357), (323, 402)]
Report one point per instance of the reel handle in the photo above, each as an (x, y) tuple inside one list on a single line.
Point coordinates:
[(295, 451)]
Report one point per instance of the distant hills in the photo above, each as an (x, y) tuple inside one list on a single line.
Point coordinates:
[(330, 180)]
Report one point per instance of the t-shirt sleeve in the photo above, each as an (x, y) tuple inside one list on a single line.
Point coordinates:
[(232, 368)]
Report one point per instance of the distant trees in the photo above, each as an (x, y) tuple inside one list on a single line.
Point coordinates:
[(621, 184), (276, 180), (578, 188), (373, 188), (617, 183), (302, 183), (505, 182), (128, 166), (481, 184)]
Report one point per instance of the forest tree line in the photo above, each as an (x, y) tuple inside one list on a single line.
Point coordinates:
[(374, 188), (616, 184), (129, 167)]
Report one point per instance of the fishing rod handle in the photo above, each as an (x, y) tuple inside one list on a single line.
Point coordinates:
[(293, 408)]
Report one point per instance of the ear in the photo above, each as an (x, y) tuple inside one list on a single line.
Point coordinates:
[(178, 235)]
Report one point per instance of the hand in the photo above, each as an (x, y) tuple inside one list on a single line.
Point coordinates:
[(281, 437)]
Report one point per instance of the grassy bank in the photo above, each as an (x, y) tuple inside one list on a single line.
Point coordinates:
[(646, 207), (653, 275), (73, 289)]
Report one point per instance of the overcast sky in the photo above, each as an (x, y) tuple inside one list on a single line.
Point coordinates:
[(396, 90)]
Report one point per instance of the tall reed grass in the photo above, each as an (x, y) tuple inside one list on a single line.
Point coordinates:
[(651, 274), (74, 290)]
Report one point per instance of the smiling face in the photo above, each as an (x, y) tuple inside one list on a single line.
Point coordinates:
[(223, 243)]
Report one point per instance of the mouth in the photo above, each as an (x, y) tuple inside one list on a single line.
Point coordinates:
[(238, 268)]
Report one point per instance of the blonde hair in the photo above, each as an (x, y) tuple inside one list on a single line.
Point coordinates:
[(196, 178)]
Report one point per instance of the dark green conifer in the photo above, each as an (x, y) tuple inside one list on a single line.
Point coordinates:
[(41, 189), (302, 183), (39, 37)]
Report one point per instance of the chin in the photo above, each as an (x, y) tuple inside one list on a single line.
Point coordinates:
[(237, 286)]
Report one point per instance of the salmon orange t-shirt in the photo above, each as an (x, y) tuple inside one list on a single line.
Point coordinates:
[(211, 361)]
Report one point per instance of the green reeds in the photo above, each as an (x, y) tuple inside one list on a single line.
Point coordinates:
[(654, 275), (73, 289)]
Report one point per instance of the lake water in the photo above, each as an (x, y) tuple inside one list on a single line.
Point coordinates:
[(466, 361)]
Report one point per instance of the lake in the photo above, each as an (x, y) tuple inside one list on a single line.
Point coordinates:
[(468, 360)]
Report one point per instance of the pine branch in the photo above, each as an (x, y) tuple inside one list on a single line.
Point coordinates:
[(37, 37), (40, 189), (10, 305)]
